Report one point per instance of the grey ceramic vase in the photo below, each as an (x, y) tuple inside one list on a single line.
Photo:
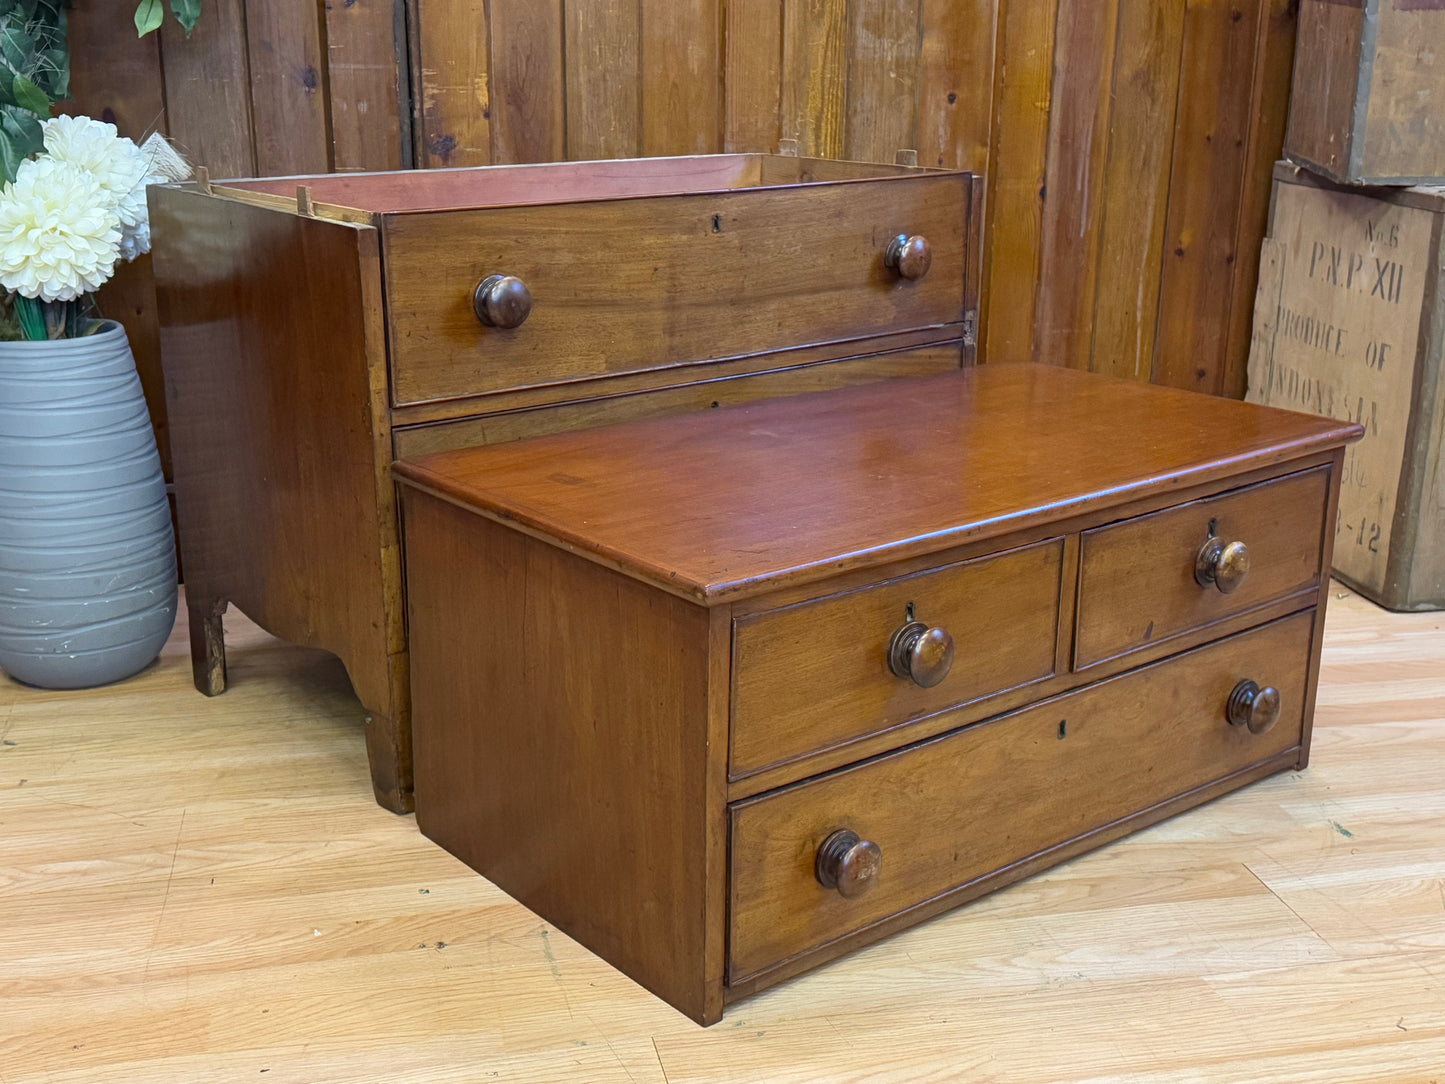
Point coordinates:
[(87, 557)]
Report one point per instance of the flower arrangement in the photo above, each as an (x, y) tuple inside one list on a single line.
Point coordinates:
[(72, 213), (73, 203)]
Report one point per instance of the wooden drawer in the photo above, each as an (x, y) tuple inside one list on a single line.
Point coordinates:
[(675, 399), (626, 285), (952, 810), (1137, 580), (816, 675)]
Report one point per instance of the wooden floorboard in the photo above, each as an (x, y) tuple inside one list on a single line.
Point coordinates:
[(202, 890)]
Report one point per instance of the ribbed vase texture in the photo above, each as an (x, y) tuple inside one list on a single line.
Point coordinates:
[(87, 557)]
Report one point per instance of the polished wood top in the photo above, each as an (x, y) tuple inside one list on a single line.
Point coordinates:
[(736, 501)]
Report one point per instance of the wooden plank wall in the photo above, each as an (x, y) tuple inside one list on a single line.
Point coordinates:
[(1127, 144)]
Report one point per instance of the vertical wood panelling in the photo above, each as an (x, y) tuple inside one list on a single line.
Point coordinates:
[(1078, 146), (604, 79), (451, 99), (1196, 286), (1014, 230), (1125, 145), (208, 90), (1273, 63), (527, 94), (955, 82), (753, 76), (284, 41), (815, 76), (363, 74), (681, 76), (118, 79), (883, 56), (1136, 185)]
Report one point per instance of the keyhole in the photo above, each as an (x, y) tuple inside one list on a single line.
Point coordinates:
[(909, 612), (717, 223), (1063, 729)]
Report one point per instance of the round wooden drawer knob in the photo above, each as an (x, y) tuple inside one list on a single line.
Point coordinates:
[(1223, 564), (502, 301), (921, 654), (848, 864), (911, 257), (1252, 707)]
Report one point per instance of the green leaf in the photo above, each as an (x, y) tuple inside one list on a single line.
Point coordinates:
[(29, 96), (148, 17), (17, 48), (20, 137), (187, 12)]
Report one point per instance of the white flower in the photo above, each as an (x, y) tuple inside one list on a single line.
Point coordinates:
[(117, 165), (59, 233)]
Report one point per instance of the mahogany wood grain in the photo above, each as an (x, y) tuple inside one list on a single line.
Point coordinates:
[(522, 185), (961, 807), (899, 346), (562, 723), (816, 675), (275, 380), (651, 283), (1137, 578), (915, 468), (652, 402)]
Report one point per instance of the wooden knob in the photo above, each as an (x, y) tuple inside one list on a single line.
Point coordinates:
[(1252, 707), (921, 654), (911, 257), (1223, 564), (502, 301), (848, 864)]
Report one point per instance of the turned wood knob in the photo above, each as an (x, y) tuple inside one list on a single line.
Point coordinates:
[(1223, 564), (848, 864), (1253, 707), (911, 257), (921, 654), (502, 301)]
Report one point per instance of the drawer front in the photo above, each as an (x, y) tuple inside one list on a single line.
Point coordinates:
[(1137, 581), (949, 811), (817, 675), (627, 285), (676, 399)]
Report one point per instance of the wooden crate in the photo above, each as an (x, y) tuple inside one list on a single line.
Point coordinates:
[(1368, 102), (1350, 322)]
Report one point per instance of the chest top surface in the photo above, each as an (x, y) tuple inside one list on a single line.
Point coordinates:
[(729, 503)]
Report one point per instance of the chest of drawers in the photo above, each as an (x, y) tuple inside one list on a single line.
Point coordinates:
[(315, 328), (727, 695)]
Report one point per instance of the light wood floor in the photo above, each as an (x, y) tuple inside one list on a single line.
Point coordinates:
[(197, 891)]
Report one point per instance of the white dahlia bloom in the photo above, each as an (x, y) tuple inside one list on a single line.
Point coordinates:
[(118, 166), (59, 234)]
